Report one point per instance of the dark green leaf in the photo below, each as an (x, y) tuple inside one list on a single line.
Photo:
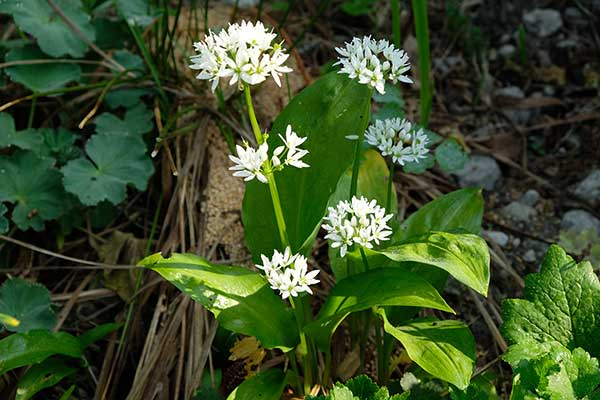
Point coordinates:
[(363, 387), (10, 137), (131, 61), (482, 387), (110, 34), (136, 122), (136, 12), (58, 144), (418, 167), (377, 287), (325, 112), (97, 333), (445, 349), (266, 385), (33, 347), (125, 97), (241, 299), (451, 156), (357, 7), (389, 110), (393, 94), (34, 185), (3, 220), (29, 303), (41, 376)]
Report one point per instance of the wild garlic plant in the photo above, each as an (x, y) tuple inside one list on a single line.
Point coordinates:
[(303, 175)]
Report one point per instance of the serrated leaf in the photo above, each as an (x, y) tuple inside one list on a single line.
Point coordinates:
[(33, 347), (115, 160), (56, 143), (34, 186), (363, 387), (3, 220), (451, 156), (340, 392), (136, 122), (136, 12), (54, 36), (125, 97), (29, 303), (41, 376), (561, 304), (132, 62), (10, 137)]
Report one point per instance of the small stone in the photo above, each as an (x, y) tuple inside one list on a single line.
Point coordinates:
[(507, 50), (542, 22), (500, 238), (519, 212), (529, 256), (579, 221), (518, 116), (530, 197), (479, 171), (516, 242), (589, 188)]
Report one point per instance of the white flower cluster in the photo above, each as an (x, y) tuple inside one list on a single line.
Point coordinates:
[(398, 138), (243, 52), (288, 273), (358, 221), (251, 163), (373, 62)]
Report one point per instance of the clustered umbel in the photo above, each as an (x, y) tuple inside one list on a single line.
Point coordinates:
[(243, 52), (398, 138), (288, 273), (373, 62), (253, 163), (358, 221)]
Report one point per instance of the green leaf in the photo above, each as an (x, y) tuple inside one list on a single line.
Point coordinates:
[(67, 395), (464, 256), (10, 137), (241, 299), (3, 220), (445, 349), (97, 333), (451, 156), (266, 385), (482, 387), (131, 61), (325, 112), (34, 185), (392, 94), (561, 304), (33, 347), (114, 162), (54, 36), (136, 12), (110, 33), (389, 110), (58, 144), (29, 303), (341, 392), (363, 387), (419, 167), (377, 287), (41, 376), (357, 7), (136, 122), (125, 97)]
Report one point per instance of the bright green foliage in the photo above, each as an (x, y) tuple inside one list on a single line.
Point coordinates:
[(136, 122), (325, 112), (40, 77), (562, 303), (445, 349), (266, 385), (241, 299), (381, 286), (44, 375), (3, 220), (359, 388), (10, 137), (451, 156), (135, 12), (34, 186), (115, 160), (54, 36), (29, 303), (482, 387)]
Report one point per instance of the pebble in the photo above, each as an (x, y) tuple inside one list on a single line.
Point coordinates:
[(579, 221), (589, 188), (529, 256), (542, 22), (518, 116), (530, 197), (480, 171), (507, 50), (498, 237), (519, 212)]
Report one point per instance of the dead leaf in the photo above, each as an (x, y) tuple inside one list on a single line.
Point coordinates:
[(250, 351)]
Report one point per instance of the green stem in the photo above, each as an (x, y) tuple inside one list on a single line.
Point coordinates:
[(388, 201), (358, 149), (396, 22), (285, 242), (252, 115), (364, 259), (294, 364)]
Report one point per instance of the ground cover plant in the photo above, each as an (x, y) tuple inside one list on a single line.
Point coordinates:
[(248, 199)]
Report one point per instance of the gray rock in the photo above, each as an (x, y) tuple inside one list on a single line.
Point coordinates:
[(500, 238), (589, 188), (529, 256), (507, 50), (542, 22), (479, 171), (518, 116), (518, 211), (579, 221), (530, 197)]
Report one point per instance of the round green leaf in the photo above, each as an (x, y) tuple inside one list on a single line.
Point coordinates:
[(136, 122), (10, 137), (451, 156), (27, 302)]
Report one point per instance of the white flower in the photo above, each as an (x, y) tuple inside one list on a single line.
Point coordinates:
[(249, 162), (358, 221), (398, 138), (373, 62), (244, 52), (288, 273)]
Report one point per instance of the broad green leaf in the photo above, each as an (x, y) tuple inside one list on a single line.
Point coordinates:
[(393, 94), (136, 122), (482, 387), (464, 256), (34, 186), (451, 156), (3, 220), (131, 61), (363, 387), (445, 349), (562, 303), (125, 97), (325, 112), (10, 137), (389, 110), (110, 33), (32, 347), (97, 333), (53, 35), (341, 392), (136, 12), (241, 299), (41, 376), (377, 287), (40, 77), (266, 385), (115, 160), (29, 303), (56, 143)]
